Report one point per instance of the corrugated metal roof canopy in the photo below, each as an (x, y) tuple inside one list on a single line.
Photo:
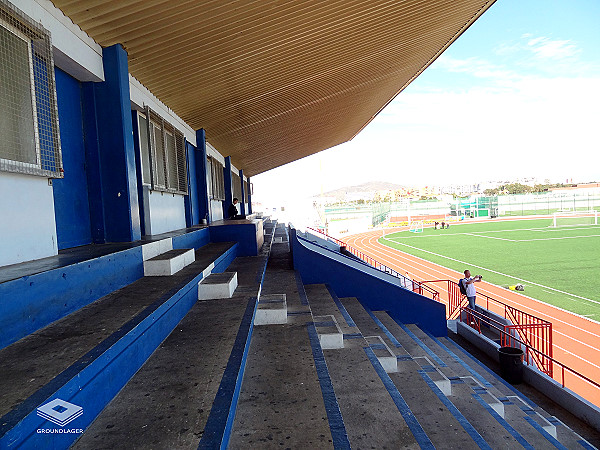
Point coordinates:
[(275, 81)]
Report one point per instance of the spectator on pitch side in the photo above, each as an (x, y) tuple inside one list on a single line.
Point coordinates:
[(469, 283)]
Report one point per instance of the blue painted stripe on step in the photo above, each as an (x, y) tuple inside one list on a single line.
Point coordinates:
[(341, 307), (462, 420), (220, 420), (544, 433), (334, 415), (404, 357), (585, 444), (300, 286), (514, 433), (491, 372), (353, 336), (475, 375), (298, 313), (387, 332), (410, 419), (421, 344), (377, 346)]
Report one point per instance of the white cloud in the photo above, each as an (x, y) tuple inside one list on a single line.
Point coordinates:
[(546, 48)]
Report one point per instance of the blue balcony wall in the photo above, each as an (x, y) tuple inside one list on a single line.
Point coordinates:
[(376, 290)]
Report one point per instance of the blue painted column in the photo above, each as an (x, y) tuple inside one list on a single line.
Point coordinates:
[(227, 180), (117, 171), (190, 201), (249, 197), (92, 162), (203, 200), (242, 200)]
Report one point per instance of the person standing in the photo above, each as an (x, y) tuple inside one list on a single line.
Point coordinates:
[(469, 283)]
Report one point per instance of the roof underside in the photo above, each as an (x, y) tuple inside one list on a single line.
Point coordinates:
[(274, 81)]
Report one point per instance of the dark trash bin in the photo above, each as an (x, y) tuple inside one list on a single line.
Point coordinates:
[(511, 364)]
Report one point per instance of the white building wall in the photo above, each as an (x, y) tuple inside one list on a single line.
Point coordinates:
[(27, 227)]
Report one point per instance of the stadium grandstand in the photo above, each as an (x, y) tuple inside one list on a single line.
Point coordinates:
[(137, 313)]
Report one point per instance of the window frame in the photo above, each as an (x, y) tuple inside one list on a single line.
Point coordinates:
[(40, 64), (158, 131)]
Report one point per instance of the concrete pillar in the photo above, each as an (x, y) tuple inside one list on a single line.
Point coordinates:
[(115, 158), (242, 203)]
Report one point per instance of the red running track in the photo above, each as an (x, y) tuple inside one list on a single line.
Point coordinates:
[(576, 339)]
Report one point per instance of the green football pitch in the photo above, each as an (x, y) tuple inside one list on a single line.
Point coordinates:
[(560, 266)]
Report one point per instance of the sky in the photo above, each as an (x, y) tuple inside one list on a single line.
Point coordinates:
[(517, 95)]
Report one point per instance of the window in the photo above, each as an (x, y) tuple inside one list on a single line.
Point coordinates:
[(30, 141), (237, 186), (162, 149), (216, 176), (246, 191)]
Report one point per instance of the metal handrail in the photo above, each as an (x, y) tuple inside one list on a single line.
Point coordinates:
[(508, 337), (524, 323), (417, 286)]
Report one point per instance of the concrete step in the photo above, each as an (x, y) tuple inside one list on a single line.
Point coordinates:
[(323, 301), (329, 332), (171, 402), (369, 327), (168, 263), (515, 412), (473, 413), (218, 285), (95, 348), (281, 403), (152, 249), (371, 416), (442, 428), (384, 354), (271, 310)]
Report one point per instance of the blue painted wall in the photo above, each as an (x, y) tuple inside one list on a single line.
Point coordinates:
[(116, 149), (376, 293), (228, 187), (192, 210), (30, 303), (71, 204), (92, 155), (201, 184)]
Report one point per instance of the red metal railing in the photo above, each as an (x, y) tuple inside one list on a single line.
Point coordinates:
[(416, 286), (532, 330), (532, 355)]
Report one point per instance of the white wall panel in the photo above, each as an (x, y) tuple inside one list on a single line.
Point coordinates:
[(27, 224), (163, 212)]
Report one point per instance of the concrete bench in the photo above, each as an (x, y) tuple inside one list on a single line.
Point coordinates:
[(169, 263), (271, 310), (218, 285)]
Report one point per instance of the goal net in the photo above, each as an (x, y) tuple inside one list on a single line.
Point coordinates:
[(574, 218), (416, 227)]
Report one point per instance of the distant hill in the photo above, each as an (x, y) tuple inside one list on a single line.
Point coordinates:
[(370, 187)]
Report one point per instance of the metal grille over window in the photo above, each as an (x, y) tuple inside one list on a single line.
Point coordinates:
[(162, 149), (217, 182), (237, 186), (30, 140)]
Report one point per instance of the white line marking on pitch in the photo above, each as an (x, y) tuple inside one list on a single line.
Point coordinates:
[(500, 273)]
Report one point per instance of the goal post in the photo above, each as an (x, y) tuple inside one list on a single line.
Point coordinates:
[(574, 218)]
